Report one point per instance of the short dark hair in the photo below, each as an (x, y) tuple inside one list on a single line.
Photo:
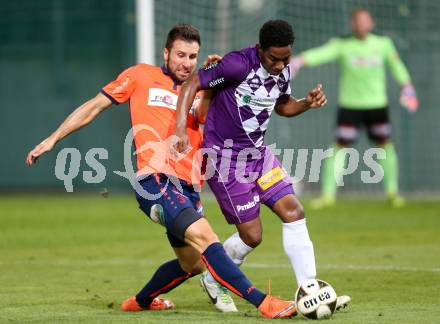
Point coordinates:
[(276, 33), (185, 32)]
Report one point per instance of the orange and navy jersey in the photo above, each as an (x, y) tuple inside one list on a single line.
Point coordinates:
[(152, 94)]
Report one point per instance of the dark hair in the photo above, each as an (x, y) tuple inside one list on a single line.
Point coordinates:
[(276, 33), (185, 32)]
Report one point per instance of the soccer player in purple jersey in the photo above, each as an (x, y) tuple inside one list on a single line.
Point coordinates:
[(249, 85), (178, 209)]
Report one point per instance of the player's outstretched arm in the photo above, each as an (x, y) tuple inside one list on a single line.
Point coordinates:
[(202, 109), (288, 106), (323, 54), (83, 115), (186, 98)]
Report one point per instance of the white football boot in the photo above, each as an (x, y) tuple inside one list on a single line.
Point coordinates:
[(218, 295), (342, 302)]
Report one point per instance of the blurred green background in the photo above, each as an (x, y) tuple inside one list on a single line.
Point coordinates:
[(55, 54)]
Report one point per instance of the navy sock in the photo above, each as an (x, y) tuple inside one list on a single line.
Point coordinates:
[(167, 277), (229, 275)]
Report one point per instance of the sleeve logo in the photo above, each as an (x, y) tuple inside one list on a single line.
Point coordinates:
[(216, 82), (210, 66)]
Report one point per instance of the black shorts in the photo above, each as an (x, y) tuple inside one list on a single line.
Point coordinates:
[(349, 122)]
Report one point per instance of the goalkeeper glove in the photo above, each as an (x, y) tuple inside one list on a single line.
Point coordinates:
[(408, 98), (295, 64)]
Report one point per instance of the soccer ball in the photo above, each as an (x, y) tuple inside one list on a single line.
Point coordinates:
[(316, 299)]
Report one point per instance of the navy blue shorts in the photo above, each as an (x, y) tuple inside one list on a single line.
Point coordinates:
[(172, 208)]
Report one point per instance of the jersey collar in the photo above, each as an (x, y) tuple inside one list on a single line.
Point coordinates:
[(168, 73)]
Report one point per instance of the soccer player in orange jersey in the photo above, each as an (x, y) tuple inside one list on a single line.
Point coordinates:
[(152, 92)]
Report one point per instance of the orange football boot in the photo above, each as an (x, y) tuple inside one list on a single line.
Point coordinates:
[(158, 303), (273, 307)]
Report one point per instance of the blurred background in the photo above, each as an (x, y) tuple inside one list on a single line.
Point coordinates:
[(55, 54)]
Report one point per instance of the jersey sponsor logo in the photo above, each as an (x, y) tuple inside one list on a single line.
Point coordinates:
[(366, 61), (216, 82), (249, 204), (167, 99), (270, 178), (254, 101), (247, 99), (162, 98)]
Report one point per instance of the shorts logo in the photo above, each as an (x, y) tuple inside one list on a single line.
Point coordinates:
[(272, 177), (181, 198), (157, 214), (249, 204)]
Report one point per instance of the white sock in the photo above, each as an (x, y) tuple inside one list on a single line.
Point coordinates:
[(236, 249), (299, 249)]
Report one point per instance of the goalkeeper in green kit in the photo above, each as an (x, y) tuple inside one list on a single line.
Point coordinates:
[(362, 57)]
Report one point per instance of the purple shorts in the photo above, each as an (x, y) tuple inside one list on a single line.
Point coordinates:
[(240, 185)]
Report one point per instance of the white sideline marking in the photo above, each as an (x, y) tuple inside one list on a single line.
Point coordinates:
[(377, 267)]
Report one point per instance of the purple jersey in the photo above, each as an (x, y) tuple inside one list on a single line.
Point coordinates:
[(246, 95)]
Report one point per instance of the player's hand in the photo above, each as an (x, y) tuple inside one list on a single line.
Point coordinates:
[(40, 149), (316, 97), (211, 59), (180, 144), (408, 98)]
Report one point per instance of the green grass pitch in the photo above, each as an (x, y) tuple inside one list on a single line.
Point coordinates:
[(73, 259)]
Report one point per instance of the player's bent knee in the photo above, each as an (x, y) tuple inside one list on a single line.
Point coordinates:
[(289, 209), (200, 235), (298, 212), (294, 212), (252, 238)]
